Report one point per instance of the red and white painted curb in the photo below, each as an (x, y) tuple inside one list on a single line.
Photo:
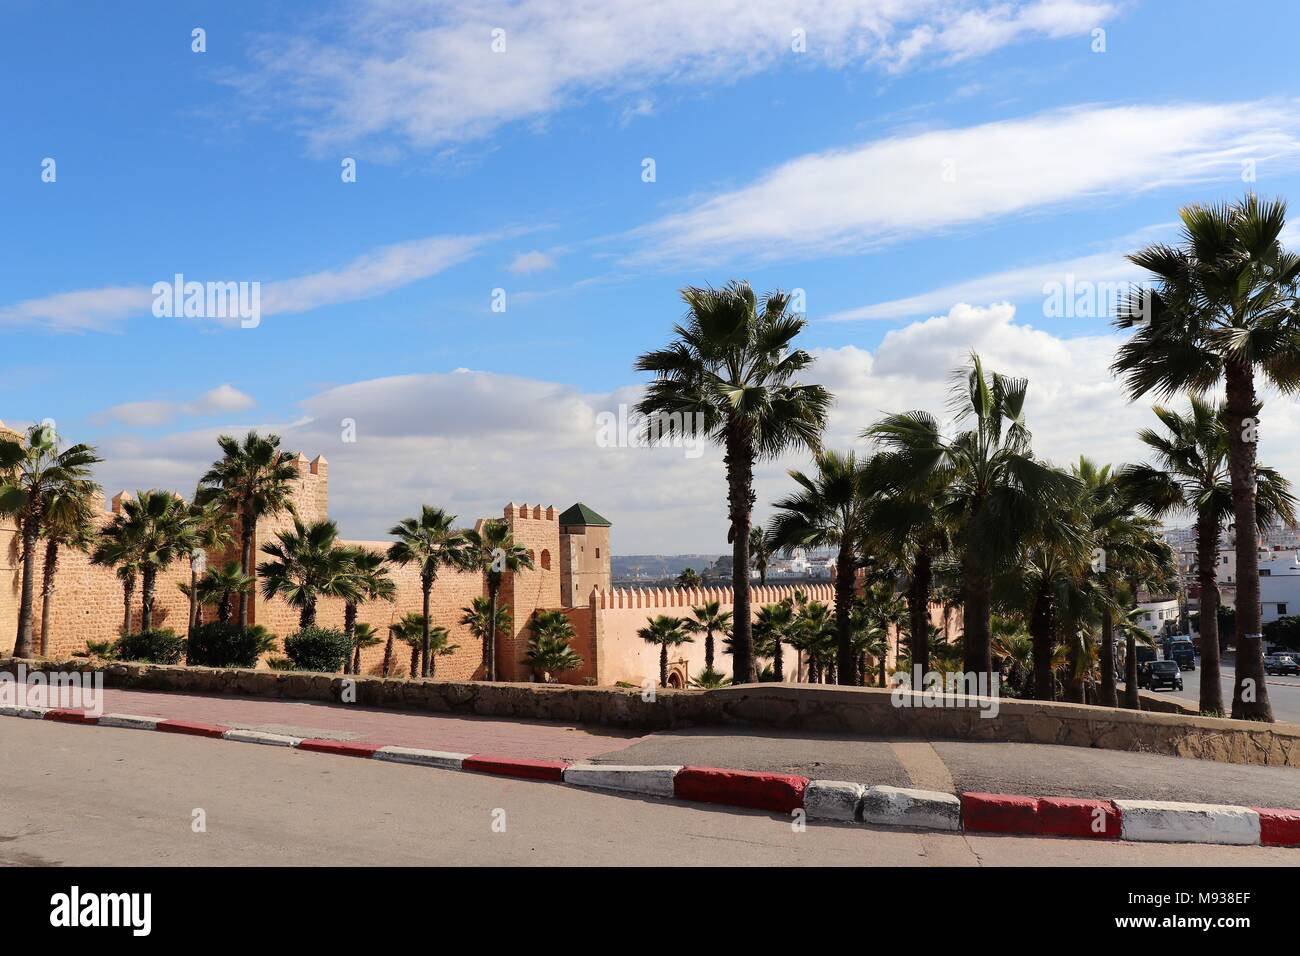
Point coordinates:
[(831, 800)]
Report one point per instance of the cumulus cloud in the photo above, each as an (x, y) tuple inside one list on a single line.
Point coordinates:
[(402, 73), (222, 399), (853, 200)]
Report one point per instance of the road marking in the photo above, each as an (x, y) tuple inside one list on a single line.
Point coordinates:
[(923, 766)]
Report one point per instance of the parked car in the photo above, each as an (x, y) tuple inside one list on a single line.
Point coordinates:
[(1281, 664), (1157, 674)]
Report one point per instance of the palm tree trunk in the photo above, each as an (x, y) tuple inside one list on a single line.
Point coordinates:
[(128, 592), (1250, 693), (1074, 678), (223, 610), (307, 615), (976, 656), (918, 610), (1108, 698), (47, 591), (739, 461), (426, 586), (1040, 634), (194, 600), (415, 660), (778, 663), (388, 654), (247, 528), (708, 649), (1131, 699), (23, 640), (663, 665), (148, 579), (843, 602), (350, 629), (1207, 553), (490, 634)]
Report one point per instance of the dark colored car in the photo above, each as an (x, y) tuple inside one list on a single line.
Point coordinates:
[(1157, 674), (1183, 654), (1281, 664)]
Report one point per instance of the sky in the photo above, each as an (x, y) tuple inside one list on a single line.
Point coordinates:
[(535, 182)]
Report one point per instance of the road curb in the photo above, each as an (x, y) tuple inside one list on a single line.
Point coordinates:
[(830, 800)]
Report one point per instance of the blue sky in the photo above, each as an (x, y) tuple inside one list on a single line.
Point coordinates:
[(822, 169)]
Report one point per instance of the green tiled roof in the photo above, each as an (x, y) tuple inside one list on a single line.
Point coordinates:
[(581, 514)]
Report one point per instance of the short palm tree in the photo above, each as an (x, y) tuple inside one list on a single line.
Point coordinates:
[(772, 627), (213, 532), (1190, 474), (31, 472), (363, 636), (493, 550), (709, 619), (689, 578), (415, 630), (1223, 308), (479, 615), (307, 564), (69, 524), (431, 543), (732, 367), (370, 581), (665, 631), (813, 634), (253, 479), (994, 491), (549, 653), (830, 509), (117, 548), (760, 555), (159, 528), (221, 585)]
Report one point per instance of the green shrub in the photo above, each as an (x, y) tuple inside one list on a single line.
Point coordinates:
[(226, 644), (279, 663), (159, 646), (322, 649)]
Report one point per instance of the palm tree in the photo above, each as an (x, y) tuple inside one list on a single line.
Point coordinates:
[(813, 634), (883, 609), (160, 529), (219, 585), (479, 614), (308, 565), (363, 636), (370, 582), (732, 369), (759, 554), (424, 639), (31, 472), (118, 548), (830, 511), (410, 630), (212, 533), (709, 619), (689, 578), (431, 543), (772, 626), (666, 632), (493, 550), (1191, 474), (253, 479), (548, 650), (1223, 306), (69, 523), (994, 491)]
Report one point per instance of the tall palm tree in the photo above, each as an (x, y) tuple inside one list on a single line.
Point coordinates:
[(995, 491), (370, 582), (220, 585), (431, 543), (69, 524), (665, 631), (760, 555), (494, 551), (772, 626), (1223, 307), (732, 368), (160, 529), (709, 619), (830, 510), (1190, 474), (32, 471), (548, 650), (307, 564), (253, 479)]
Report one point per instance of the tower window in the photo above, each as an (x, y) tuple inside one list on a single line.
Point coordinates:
[(546, 559)]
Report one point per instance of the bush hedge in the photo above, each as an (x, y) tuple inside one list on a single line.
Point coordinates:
[(321, 649), (158, 646), (226, 644)]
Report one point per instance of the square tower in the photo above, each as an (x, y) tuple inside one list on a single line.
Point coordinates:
[(584, 555)]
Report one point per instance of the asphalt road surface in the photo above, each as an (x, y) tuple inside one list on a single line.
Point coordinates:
[(1283, 692), (103, 796)]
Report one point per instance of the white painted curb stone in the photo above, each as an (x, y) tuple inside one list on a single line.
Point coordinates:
[(424, 758), (653, 781), (261, 737), (903, 807), (131, 721), (32, 713), (832, 800), (1155, 821)]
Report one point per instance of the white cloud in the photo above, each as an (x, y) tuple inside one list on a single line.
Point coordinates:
[(368, 275), (425, 74), (855, 199), (529, 262), (222, 399)]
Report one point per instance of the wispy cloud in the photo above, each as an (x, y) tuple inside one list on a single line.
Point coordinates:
[(409, 73), (222, 399), (852, 200), (372, 274)]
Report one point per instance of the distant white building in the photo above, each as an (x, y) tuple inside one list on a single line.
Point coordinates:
[(1158, 616)]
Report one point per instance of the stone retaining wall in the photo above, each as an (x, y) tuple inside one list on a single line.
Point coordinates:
[(859, 711)]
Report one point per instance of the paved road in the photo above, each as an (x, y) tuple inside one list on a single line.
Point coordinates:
[(1283, 692), (100, 796)]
